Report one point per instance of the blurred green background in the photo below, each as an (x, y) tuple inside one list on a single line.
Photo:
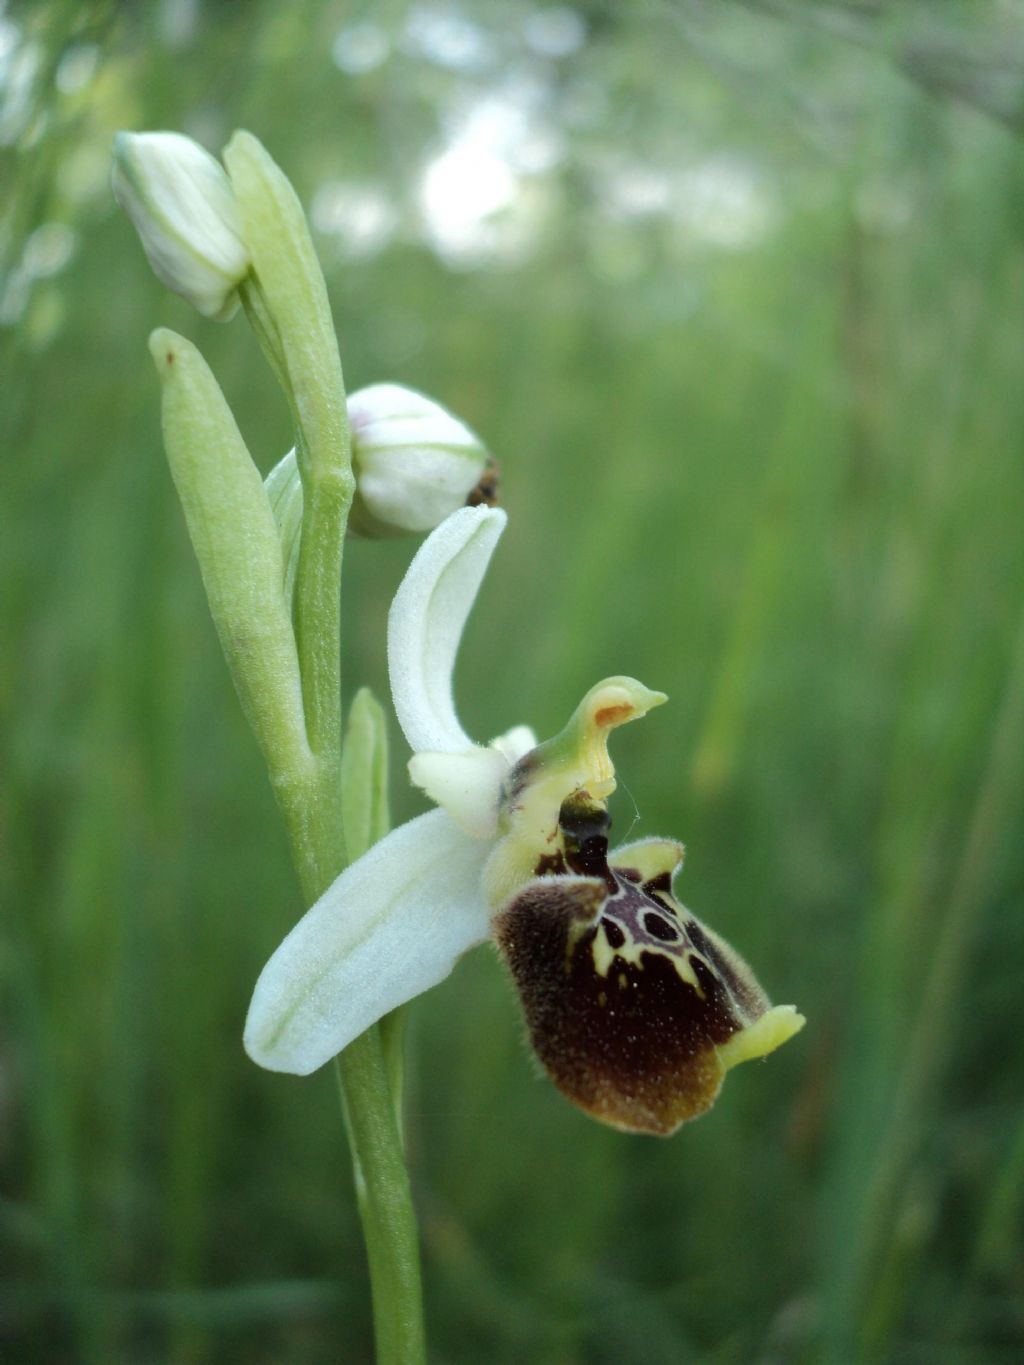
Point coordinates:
[(735, 292)]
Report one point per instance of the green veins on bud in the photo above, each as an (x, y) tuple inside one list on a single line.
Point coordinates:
[(183, 208), (415, 463)]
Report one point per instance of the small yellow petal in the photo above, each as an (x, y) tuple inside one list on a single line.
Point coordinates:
[(764, 1035)]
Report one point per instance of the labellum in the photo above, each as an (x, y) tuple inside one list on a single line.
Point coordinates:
[(634, 1008)]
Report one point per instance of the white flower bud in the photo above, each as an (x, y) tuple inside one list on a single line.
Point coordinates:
[(414, 462), (183, 208)]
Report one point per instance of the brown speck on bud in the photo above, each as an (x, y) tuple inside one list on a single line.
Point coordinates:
[(485, 494)]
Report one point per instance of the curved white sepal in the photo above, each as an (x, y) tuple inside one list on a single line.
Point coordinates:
[(467, 785), (425, 625), (391, 926)]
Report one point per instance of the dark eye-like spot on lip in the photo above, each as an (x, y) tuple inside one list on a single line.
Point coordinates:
[(659, 928), (614, 933), (664, 904)]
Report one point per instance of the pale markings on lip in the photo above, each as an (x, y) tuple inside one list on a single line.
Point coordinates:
[(623, 927), (627, 910), (622, 930), (629, 999)]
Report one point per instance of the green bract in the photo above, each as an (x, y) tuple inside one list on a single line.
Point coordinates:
[(238, 548)]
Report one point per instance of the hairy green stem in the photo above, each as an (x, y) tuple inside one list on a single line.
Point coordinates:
[(385, 1200), (313, 814), (327, 489), (381, 1178), (262, 323)]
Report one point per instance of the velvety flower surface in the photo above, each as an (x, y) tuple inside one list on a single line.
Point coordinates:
[(635, 1009)]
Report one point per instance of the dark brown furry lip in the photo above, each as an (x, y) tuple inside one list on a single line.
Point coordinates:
[(626, 996)]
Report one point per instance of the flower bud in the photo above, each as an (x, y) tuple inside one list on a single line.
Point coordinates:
[(414, 462), (183, 208)]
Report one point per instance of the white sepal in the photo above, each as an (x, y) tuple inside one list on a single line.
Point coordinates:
[(467, 785), (391, 926), (183, 208), (515, 744), (425, 625)]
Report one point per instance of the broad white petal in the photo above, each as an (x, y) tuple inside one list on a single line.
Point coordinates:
[(467, 785), (425, 625), (391, 926), (515, 743)]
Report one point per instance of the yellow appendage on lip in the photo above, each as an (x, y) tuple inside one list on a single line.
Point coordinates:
[(764, 1035)]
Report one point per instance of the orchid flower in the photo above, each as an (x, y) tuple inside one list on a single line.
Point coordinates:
[(635, 1009)]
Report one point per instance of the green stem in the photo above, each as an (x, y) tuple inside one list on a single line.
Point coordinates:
[(285, 298), (381, 1178), (311, 803), (262, 324), (327, 495), (385, 1200), (309, 809)]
